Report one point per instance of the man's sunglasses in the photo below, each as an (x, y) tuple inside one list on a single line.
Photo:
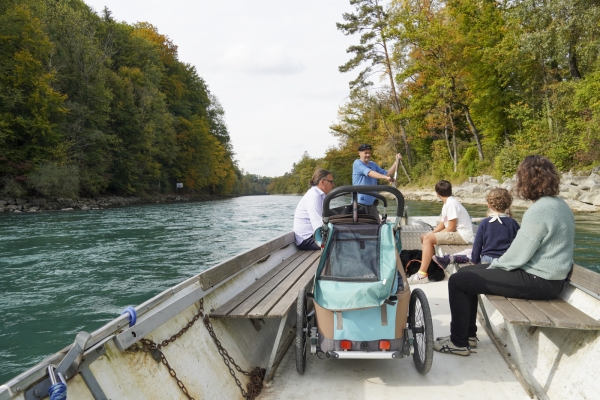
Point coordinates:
[(330, 181)]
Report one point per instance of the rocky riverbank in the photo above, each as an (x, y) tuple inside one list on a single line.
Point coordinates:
[(37, 204), (580, 191)]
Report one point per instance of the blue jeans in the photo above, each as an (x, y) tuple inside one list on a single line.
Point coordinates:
[(487, 259)]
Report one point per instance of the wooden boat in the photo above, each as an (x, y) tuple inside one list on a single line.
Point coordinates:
[(173, 351)]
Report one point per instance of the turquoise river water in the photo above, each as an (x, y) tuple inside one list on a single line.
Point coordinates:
[(64, 272)]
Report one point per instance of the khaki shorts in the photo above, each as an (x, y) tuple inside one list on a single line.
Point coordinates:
[(449, 238)]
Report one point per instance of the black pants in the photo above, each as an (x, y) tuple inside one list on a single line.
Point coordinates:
[(309, 244), (468, 282)]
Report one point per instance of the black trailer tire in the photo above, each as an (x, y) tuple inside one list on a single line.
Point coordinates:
[(301, 331), (422, 330)]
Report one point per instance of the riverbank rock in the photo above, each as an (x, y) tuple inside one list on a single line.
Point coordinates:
[(36, 204), (580, 191)]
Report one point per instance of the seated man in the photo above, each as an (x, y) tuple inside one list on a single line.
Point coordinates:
[(455, 228), (366, 172), (308, 215)]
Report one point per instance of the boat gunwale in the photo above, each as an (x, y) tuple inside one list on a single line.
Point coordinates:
[(100, 336)]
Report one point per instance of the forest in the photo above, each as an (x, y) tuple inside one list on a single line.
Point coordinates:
[(89, 105), (465, 87)]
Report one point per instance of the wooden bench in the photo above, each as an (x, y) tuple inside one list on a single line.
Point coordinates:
[(272, 296), (555, 313)]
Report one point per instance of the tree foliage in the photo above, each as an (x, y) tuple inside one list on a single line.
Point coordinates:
[(481, 84), (108, 103)]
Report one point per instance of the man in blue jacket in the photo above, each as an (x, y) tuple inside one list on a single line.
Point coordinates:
[(366, 172)]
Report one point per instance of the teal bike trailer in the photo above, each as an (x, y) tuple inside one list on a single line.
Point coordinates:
[(361, 306)]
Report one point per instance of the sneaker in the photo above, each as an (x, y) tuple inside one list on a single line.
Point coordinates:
[(442, 261), (418, 279), (445, 345), (459, 259), (472, 340)]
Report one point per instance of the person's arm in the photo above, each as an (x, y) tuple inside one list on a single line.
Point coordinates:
[(525, 245), (439, 228), (394, 166), (451, 226), (478, 244), (315, 211), (379, 173)]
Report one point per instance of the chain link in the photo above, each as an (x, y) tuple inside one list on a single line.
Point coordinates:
[(257, 375)]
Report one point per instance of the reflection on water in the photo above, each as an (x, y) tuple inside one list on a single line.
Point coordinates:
[(64, 272)]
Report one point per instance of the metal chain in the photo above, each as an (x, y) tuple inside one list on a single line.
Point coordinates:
[(149, 346), (257, 375)]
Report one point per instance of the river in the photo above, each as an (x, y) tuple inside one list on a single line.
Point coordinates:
[(64, 272)]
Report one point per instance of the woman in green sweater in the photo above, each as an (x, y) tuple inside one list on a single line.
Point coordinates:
[(535, 265)]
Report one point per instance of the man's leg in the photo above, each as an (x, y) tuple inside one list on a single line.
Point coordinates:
[(429, 242), (309, 244)]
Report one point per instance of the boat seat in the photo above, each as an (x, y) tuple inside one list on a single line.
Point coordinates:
[(555, 313), (273, 296)]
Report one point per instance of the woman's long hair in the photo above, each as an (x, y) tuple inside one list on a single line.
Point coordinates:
[(537, 177)]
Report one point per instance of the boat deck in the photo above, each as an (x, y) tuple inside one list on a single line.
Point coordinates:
[(451, 377)]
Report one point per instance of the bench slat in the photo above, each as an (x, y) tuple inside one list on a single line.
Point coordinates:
[(289, 300), (535, 316), (564, 315), (227, 268), (508, 310), (586, 278), (262, 309), (265, 292), (225, 309)]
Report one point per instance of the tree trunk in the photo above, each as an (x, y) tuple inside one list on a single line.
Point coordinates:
[(573, 69), (455, 158), (446, 137), (396, 101), (474, 131)]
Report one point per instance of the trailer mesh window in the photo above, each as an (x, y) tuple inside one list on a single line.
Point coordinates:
[(353, 254)]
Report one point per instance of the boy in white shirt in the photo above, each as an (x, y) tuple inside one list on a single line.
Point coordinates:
[(454, 228)]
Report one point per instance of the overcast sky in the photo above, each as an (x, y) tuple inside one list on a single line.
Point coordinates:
[(273, 65)]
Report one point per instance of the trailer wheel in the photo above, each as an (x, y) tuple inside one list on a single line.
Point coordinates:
[(422, 330), (301, 331)]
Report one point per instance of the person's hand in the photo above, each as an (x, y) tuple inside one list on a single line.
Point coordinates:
[(390, 179), (398, 157)]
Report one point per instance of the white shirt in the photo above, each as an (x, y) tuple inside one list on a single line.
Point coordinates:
[(454, 210), (308, 215)]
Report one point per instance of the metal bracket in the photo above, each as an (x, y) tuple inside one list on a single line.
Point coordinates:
[(92, 383), (65, 367)]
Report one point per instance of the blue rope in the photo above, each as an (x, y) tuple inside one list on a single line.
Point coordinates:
[(132, 315), (58, 391)]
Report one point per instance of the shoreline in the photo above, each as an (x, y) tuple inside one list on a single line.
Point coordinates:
[(41, 204), (581, 192)]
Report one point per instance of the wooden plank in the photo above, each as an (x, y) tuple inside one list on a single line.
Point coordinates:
[(289, 299), (508, 311), (585, 278), (535, 316), (227, 268), (262, 310), (564, 315), (266, 292), (226, 308)]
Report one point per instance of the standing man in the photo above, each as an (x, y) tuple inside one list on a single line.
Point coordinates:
[(366, 172), (309, 212)]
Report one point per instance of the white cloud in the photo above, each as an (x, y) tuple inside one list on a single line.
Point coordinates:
[(272, 59), (272, 64)]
